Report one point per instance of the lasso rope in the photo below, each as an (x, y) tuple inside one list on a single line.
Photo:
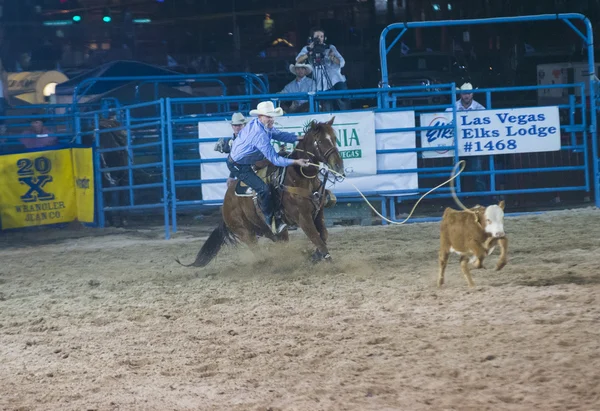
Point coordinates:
[(454, 174)]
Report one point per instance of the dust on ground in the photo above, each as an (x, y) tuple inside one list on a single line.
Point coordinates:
[(106, 320)]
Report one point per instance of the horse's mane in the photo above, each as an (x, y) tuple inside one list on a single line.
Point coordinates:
[(312, 131)]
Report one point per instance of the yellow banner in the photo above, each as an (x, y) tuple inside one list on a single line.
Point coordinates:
[(46, 187), (83, 174)]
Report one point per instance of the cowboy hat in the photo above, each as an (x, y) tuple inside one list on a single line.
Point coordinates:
[(308, 67), (466, 87), (266, 108), (238, 119)]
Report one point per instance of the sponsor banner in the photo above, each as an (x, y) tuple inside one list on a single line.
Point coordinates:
[(490, 132), (355, 137), (356, 141), (46, 187), (391, 161)]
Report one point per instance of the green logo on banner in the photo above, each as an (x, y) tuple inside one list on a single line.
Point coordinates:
[(347, 138), (351, 154)]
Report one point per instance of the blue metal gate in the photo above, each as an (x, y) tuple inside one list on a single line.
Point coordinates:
[(157, 164), (582, 120)]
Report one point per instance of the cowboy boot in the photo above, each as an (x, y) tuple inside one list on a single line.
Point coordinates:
[(280, 225)]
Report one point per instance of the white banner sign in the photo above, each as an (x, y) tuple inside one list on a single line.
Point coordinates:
[(388, 162), (357, 143), (490, 132), (355, 137)]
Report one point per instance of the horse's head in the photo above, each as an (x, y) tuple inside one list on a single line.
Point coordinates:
[(320, 142)]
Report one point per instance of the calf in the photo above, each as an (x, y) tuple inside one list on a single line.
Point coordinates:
[(472, 234)]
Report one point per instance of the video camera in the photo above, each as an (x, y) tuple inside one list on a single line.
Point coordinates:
[(317, 54)]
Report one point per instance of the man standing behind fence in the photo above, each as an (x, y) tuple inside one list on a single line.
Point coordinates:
[(465, 103), (327, 63)]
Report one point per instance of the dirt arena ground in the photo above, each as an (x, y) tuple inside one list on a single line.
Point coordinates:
[(106, 320)]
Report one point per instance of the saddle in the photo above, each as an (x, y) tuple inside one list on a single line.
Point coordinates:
[(270, 175), (275, 176)]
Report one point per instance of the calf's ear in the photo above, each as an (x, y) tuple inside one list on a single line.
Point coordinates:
[(501, 204)]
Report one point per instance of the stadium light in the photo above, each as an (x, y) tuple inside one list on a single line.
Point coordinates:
[(106, 16)]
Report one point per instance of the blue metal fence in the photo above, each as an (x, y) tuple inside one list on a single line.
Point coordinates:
[(590, 126), (57, 121), (252, 83), (183, 140), (157, 164), (509, 174), (518, 175), (131, 160)]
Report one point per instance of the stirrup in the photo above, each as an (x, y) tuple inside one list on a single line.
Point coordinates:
[(279, 225)]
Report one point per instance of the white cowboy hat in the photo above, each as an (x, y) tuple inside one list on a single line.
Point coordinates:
[(266, 108), (293, 68), (238, 119), (465, 87)]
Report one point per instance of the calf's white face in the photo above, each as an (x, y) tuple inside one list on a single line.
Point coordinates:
[(494, 216)]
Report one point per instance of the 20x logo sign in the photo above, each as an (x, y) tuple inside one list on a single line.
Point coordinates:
[(35, 175)]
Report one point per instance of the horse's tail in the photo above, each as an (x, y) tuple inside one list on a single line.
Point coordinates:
[(220, 236)]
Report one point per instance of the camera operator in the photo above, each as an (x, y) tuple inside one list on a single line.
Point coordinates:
[(327, 63)]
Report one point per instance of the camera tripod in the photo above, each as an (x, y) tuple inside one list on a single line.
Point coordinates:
[(320, 76), (322, 80)]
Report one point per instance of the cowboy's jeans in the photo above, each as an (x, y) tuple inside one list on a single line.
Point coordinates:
[(245, 173)]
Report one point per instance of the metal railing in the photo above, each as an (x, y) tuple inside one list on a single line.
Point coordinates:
[(504, 176), (157, 163), (130, 161), (253, 83), (567, 18)]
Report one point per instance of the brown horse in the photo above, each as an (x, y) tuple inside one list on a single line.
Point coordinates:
[(302, 197)]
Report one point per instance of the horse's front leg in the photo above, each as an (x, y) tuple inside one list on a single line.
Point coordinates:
[(307, 224), (320, 225)]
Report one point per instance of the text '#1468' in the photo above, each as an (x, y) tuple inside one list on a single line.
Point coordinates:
[(499, 145)]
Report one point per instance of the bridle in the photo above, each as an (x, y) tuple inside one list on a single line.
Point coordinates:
[(319, 154), (317, 197)]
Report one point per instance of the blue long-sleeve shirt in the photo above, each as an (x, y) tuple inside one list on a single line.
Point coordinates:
[(303, 86), (254, 144)]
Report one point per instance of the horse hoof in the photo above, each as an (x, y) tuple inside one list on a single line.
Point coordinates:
[(318, 256)]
